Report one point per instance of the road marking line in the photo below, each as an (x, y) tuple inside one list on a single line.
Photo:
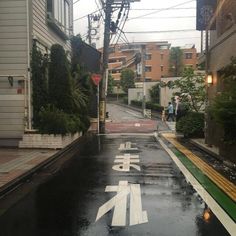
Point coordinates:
[(137, 215), (119, 214), (126, 161), (127, 147), (224, 218), (119, 202), (112, 202)]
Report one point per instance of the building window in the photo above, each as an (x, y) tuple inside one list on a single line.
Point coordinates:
[(148, 79), (148, 68), (188, 55), (162, 68), (162, 56), (162, 47), (148, 56), (58, 10)]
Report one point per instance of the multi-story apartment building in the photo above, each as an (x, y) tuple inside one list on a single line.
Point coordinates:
[(22, 23), (155, 64), (221, 49)]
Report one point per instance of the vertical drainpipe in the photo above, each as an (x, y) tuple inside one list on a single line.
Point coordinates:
[(28, 67)]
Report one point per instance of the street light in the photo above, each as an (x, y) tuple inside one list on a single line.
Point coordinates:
[(209, 79)]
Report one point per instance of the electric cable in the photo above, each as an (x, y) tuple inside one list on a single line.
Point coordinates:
[(76, 1), (87, 14), (164, 9), (166, 17), (161, 31), (161, 10)]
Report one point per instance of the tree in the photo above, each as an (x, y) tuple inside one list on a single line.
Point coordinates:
[(60, 88), (39, 66), (192, 90), (76, 45), (176, 61), (224, 104), (155, 93), (127, 79)]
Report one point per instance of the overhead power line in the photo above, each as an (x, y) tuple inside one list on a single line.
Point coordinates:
[(161, 31), (171, 7), (88, 14), (165, 17), (76, 1), (164, 9)]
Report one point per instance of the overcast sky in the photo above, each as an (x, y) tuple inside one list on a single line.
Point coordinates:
[(161, 20)]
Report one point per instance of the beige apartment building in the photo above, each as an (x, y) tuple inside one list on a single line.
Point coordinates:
[(153, 66)]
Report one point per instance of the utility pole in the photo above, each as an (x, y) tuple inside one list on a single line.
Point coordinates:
[(108, 6), (143, 55), (89, 30), (108, 13)]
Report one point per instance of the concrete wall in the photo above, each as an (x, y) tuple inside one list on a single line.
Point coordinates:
[(137, 93), (166, 94)]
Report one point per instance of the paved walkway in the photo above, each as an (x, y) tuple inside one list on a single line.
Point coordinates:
[(16, 163)]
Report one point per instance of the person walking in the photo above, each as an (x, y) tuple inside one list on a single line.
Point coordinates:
[(170, 110)]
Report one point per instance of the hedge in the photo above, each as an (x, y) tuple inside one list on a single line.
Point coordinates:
[(149, 105), (191, 125)]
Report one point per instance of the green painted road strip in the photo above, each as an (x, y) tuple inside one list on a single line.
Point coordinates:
[(223, 199)]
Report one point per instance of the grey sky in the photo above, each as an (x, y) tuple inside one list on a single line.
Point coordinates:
[(164, 20)]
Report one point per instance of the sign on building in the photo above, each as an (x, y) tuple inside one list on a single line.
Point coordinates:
[(205, 14)]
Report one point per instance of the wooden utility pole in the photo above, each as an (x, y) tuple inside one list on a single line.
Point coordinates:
[(108, 13)]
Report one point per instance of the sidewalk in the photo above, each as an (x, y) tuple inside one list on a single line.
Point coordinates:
[(17, 164), (220, 189)]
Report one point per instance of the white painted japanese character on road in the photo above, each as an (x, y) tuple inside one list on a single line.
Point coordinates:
[(126, 161), (128, 146), (119, 202)]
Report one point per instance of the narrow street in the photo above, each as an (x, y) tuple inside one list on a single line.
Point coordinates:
[(130, 187), (122, 184)]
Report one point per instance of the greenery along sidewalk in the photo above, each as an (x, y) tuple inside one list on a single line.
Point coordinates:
[(222, 190)]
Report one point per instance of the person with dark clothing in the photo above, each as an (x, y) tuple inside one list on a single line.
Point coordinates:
[(170, 110)]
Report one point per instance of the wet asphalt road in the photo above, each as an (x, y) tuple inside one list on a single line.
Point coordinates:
[(68, 203)]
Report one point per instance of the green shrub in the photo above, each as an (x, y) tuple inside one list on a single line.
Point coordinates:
[(136, 103), (154, 106), (55, 121), (149, 105), (39, 65), (223, 108), (59, 83), (125, 100), (191, 125)]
